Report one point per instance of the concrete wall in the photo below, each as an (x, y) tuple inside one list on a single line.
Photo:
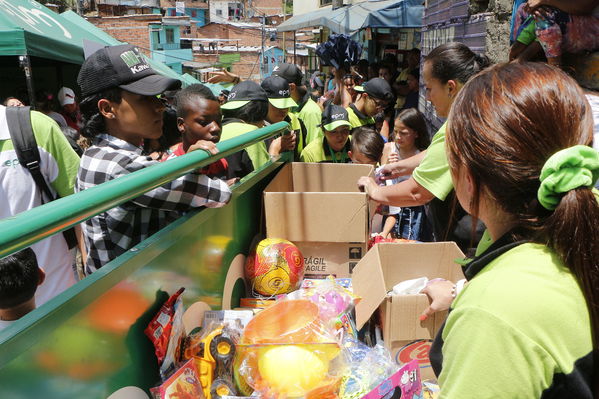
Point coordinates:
[(304, 6), (483, 25)]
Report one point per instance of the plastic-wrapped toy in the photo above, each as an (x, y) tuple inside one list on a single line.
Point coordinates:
[(287, 351), (335, 302), (368, 367), (275, 267), (213, 350), (166, 331)]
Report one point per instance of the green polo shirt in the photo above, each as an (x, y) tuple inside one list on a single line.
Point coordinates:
[(310, 114), (257, 152), (433, 172), (519, 329), (319, 151), (357, 119)]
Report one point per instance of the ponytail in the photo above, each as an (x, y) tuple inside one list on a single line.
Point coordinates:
[(93, 121), (455, 61)]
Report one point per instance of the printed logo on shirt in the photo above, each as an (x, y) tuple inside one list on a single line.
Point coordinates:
[(11, 163)]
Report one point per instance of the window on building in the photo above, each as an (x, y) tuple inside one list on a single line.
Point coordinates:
[(173, 12), (170, 35), (325, 2), (219, 12), (187, 30)]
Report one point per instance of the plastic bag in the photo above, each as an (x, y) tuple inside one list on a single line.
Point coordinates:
[(166, 331), (339, 51)]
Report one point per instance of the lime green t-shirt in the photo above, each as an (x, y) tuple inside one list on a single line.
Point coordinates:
[(358, 120), (319, 151), (519, 329), (528, 34), (433, 172), (311, 115), (257, 152)]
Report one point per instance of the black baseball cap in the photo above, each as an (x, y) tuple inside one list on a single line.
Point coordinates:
[(122, 66), (290, 72), (334, 116), (377, 88), (277, 90), (244, 92)]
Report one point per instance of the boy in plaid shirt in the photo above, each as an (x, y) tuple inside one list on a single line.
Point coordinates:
[(120, 109)]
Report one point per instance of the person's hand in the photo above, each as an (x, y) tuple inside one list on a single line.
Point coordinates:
[(441, 294), (288, 142), (232, 181), (224, 76), (388, 171), (207, 146), (393, 157), (367, 184)]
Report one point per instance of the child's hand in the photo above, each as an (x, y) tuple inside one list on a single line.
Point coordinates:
[(207, 146), (393, 157), (366, 184), (288, 142)]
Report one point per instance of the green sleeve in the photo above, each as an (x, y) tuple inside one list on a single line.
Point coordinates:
[(484, 357), (49, 136), (433, 172), (528, 34)]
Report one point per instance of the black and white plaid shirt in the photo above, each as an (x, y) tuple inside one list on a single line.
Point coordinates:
[(117, 230)]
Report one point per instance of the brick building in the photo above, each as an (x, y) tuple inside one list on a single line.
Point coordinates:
[(242, 34), (132, 29)]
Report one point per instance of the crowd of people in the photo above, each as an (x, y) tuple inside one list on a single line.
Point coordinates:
[(514, 159)]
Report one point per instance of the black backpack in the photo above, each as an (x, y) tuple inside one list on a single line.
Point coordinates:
[(23, 139)]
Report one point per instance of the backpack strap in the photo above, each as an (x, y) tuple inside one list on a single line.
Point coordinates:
[(21, 134), (23, 139)]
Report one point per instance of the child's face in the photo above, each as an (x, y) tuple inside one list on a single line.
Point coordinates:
[(203, 121), (337, 137), (358, 156), (404, 136), (136, 118), (276, 114)]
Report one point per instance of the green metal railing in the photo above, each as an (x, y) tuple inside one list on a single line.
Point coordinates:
[(22, 230)]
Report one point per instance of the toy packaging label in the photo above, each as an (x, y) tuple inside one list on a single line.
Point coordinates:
[(407, 379), (228, 316), (311, 283), (184, 383)]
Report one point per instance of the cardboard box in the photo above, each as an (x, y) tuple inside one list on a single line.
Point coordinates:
[(384, 266), (317, 202), (330, 258)]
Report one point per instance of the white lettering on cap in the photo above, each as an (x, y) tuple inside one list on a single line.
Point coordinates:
[(336, 116), (231, 96), (284, 92)]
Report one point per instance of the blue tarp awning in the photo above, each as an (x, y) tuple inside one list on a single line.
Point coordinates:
[(368, 14)]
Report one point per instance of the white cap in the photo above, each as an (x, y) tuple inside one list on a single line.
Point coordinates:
[(66, 96)]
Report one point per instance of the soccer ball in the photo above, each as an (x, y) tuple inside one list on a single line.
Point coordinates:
[(275, 267)]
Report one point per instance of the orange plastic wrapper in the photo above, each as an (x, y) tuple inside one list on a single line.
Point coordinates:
[(288, 351)]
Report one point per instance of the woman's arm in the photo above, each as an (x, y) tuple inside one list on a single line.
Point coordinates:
[(406, 193), (403, 167)]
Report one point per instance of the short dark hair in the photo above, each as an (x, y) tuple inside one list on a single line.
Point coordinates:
[(414, 119), (368, 142), (19, 276), (252, 112), (185, 97), (93, 121)]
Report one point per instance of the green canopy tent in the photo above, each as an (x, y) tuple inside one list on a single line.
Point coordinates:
[(29, 30)]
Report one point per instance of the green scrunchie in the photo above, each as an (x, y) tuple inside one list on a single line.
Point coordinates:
[(566, 170)]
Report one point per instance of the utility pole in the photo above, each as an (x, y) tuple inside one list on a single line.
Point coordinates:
[(263, 20)]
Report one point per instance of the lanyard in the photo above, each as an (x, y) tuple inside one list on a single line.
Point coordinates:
[(334, 159)]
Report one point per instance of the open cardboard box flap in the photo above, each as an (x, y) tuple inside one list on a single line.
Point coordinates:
[(318, 202), (387, 264)]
